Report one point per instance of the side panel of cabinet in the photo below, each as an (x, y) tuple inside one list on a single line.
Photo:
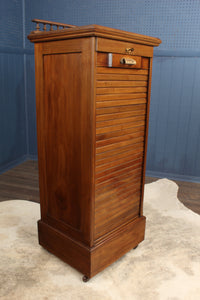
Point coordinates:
[(65, 120)]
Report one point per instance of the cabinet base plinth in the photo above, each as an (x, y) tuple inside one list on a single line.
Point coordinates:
[(90, 261)]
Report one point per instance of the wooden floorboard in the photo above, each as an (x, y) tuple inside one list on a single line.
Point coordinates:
[(21, 182)]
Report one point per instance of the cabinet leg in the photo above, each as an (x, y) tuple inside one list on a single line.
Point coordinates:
[(85, 278), (135, 247)]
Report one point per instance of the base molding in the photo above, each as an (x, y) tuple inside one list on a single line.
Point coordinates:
[(74, 253), (117, 245), (91, 261)]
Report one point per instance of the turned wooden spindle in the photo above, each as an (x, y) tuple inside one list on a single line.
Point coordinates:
[(37, 26), (45, 23)]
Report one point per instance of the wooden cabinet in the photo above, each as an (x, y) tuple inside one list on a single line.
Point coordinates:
[(92, 98)]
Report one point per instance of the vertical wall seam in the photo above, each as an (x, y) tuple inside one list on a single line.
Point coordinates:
[(178, 115), (190, 115), (198, 138), (23, 23), (25, 81), (157, 110), (168, 109)]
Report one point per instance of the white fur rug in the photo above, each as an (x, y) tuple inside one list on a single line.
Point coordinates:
[(165, 266)]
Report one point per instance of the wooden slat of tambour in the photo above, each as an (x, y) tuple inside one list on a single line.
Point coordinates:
[(115, 216), (115, 177), (121, 90), (115, 172), (121, 118), (120, 144), (115, 212), (118, 133), (107, 189), (101, 228), (120, 179), (113, 207), (117, 97), (130, 159), (119, 166), (120, 115), (101, 203), (131, 191), (120, 77), (112, 190), (119, 127), (109, 110), (105, 70), (110, 204), (119, 138), (108, 210), (120, 102), (120, 161), (114, 83), (112, 169), (136, 162), (108, 156), (105, 229), (112, 122), (106, 223), (108, 97)]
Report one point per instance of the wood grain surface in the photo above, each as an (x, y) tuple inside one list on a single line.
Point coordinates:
[(92, 123)]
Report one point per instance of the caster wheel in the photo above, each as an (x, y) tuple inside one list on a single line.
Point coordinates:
[(85, 278), (135, 247)]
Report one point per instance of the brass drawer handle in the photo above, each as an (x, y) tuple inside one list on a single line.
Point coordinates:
[(128, 61), (129, 50)]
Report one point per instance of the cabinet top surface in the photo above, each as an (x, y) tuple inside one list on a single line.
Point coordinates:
[(87, 31)]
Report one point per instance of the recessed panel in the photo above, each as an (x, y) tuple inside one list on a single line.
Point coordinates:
[(62, 88)]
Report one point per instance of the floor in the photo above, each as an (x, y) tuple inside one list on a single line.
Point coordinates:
[(21, 182)]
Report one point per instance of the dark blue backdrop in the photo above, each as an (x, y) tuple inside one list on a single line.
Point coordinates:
[(174, 133)]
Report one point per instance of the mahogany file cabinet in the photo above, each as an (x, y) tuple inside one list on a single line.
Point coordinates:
[(92, 100)]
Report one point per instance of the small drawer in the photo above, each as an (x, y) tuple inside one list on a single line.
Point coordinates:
[(114, 46), (114, 60)]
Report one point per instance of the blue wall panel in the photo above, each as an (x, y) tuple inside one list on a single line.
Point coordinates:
[(12, 109), (11, 23), (31, 107), (174, 129), (184, 114), (192, 146), (172, 114), (175, 22), (13, 125)]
